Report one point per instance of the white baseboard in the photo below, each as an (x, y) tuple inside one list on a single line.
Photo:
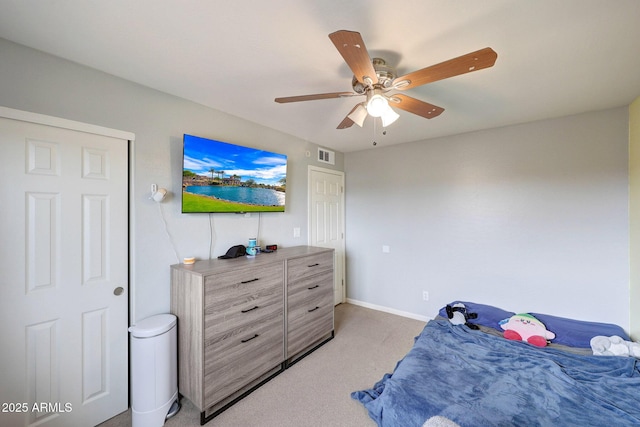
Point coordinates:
[(389, 310)]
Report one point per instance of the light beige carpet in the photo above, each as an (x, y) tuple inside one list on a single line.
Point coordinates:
[(316, 390)]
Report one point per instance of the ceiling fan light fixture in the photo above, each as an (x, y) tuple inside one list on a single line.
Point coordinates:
[(389, 117), (377, 104), (358, 115)]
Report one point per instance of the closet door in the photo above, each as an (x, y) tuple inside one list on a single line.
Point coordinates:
[(63, 275)]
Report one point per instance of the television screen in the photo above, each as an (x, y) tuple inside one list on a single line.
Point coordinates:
[(222, 177)]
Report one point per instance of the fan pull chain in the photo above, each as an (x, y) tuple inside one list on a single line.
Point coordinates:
[(375, 122)]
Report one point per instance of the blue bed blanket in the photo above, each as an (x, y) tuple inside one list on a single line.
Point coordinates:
[(478, 379)]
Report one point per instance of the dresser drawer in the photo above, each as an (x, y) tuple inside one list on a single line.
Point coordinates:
[(304, 306), (236, 299), (241, 283), (309, 287), (299, 268), (308, 320), (241, 355)]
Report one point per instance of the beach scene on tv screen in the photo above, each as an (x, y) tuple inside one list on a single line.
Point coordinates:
[(222, 177)]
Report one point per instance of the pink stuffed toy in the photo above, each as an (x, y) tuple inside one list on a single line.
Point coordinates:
[(525, 327)]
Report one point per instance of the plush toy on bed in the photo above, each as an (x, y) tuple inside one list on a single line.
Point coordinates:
[(525, 327), (614, 346), (458, 315)]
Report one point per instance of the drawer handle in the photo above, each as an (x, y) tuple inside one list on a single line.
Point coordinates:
[(314, 309), (249, 339), (249, 281), (249, 309), (313, 287), (313, 265)]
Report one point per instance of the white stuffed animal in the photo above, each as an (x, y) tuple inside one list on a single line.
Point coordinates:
[(614, 346), (458, 315)]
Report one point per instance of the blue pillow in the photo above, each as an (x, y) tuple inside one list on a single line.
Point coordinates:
[(488, 315), (569, 332), (578, 333)]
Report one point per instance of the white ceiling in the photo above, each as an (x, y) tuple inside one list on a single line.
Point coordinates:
[(555, 58)]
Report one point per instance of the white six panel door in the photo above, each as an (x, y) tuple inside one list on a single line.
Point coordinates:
[(64, 242), (326, 220)]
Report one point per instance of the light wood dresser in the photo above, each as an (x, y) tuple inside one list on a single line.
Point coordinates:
[(242, 321)]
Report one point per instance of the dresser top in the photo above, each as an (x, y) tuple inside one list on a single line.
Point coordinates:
[(217, 265)]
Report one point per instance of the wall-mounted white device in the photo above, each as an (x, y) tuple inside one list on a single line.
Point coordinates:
[(157, 194)]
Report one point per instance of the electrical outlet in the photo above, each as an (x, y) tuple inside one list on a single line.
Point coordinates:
[(425, 295)]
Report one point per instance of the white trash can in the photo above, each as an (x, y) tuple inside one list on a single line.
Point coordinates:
[(154, 370)]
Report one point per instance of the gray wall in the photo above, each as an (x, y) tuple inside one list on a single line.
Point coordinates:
[(531, 217), (40, 83)]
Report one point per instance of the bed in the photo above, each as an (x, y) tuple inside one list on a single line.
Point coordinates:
[(455, 375)]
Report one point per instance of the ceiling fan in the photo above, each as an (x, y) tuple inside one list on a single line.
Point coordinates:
[(374, 79)]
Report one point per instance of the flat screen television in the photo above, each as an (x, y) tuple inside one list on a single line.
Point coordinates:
[(222, 177)]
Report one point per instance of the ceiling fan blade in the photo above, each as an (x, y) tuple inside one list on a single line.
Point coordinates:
[(415, 106), (314, 97), (346, 122), (474, 61), (352, 119), (352, 48)]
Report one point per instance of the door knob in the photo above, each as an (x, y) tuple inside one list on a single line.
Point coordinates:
[(118, 291)]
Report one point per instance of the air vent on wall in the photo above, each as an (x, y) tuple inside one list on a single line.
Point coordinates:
[(326, 156)]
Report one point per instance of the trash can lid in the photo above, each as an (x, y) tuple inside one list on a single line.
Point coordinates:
[(152, 326)]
